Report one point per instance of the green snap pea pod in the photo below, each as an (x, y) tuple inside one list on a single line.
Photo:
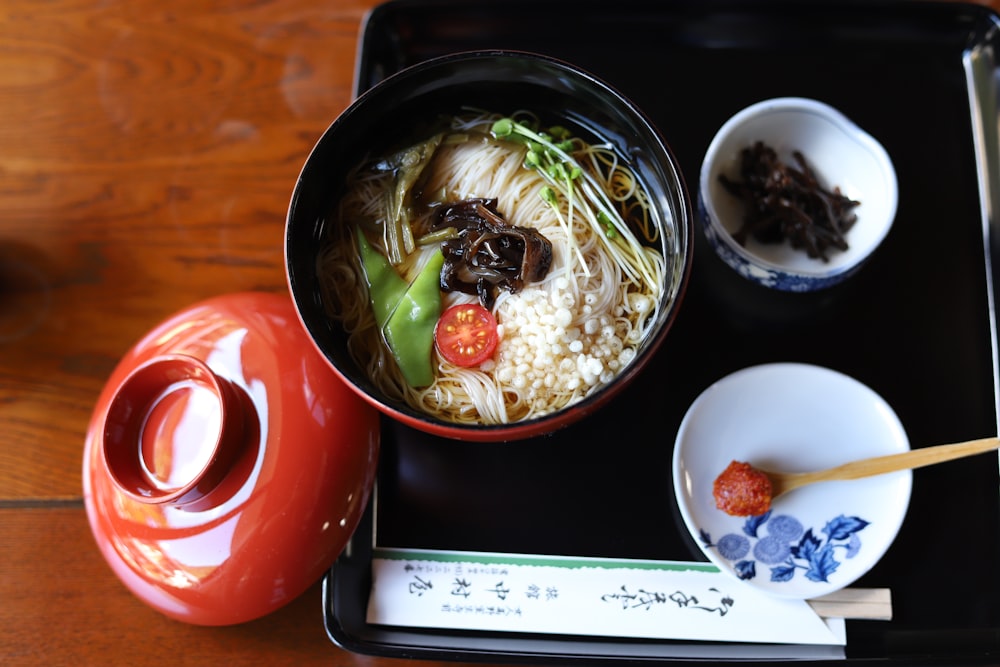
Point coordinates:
[(385, 286), (410, 330), (406, 314)]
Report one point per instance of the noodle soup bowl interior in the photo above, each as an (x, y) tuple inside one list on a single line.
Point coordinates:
[(844, 160), (561, 306)]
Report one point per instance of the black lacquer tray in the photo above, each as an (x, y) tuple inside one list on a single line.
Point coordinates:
[(916, 324)]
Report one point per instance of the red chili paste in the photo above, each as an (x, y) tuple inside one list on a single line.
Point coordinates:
[(742, 490)]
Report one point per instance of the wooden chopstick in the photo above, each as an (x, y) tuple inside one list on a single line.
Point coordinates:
[(862, 603)]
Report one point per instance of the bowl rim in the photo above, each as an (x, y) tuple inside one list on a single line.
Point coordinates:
[(822, 272), (681, 214)]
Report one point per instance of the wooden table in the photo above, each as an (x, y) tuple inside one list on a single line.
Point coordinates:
[(147, 155)]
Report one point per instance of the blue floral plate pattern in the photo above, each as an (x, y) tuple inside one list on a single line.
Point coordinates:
[(792, 417), (787, 548)]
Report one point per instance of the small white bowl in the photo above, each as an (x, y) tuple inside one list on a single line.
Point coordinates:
[(838, 151), (795, 418)]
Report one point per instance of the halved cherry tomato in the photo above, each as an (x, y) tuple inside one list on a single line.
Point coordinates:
[(466, 334)]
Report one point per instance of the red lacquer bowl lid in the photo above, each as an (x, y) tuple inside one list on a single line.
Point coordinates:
[(226, 466)]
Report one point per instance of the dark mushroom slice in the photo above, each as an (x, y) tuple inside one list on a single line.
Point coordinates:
[(488, 254), (784, 202)]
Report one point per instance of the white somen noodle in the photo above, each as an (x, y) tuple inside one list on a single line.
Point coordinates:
[(561, 338)]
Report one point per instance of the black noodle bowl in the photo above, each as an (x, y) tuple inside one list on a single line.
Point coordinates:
[(396, 110)]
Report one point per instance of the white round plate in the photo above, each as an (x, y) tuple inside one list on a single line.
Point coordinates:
[(795, 418)]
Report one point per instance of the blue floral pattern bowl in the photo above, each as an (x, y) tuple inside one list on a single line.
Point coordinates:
[(792, 417), (766, 273), (841, 154)]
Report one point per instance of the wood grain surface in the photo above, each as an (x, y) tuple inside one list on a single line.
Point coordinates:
[(147, 155)]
